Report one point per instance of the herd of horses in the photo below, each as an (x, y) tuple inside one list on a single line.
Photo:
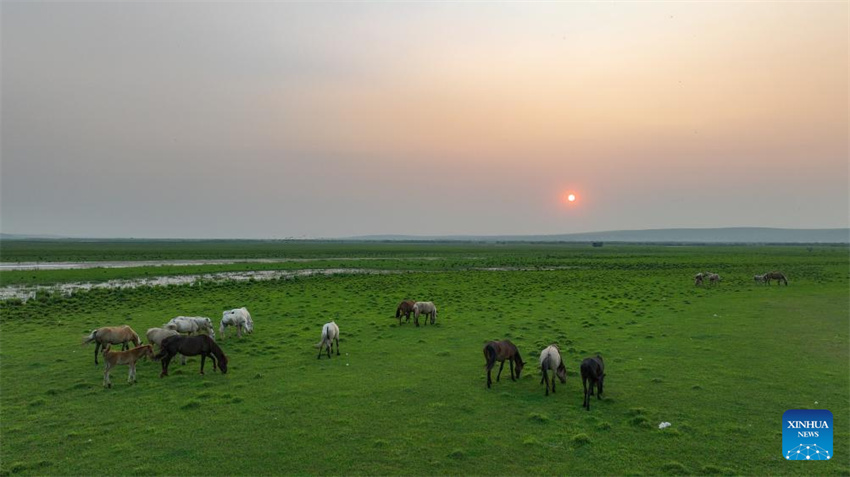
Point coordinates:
[(199, 339), (193, 336), (592, 369), (714, 279)]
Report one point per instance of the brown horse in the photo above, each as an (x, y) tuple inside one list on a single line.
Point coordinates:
[(112, 335), (114, 358), (778, 276), (191, 346), (404, 308), (501, 351)]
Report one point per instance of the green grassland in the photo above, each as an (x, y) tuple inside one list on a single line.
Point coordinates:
[(721, 364)]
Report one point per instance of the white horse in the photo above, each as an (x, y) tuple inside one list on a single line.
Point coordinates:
[(714, 279), (330, 333), (425, 308), (550, 360), (156, 335), (238, 319), (191, 325), (249, 322)]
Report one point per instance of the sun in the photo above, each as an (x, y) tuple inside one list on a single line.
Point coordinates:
[(571, 197)]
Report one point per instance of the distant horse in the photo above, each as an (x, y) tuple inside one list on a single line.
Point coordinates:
[(191, 325), (114, 358), (191, 346), (404, 308), (550, 360), (330, 333), (698, 278), (778, 276), (112, 335), (592, 371), (156, 335), (249, 322), (501, 351), (759, 278), (237, 319), (714, 279), (426, 308)]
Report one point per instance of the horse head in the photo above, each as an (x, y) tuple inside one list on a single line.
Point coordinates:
[(561, 372)]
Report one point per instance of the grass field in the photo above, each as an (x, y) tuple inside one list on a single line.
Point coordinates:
[(721, 364)]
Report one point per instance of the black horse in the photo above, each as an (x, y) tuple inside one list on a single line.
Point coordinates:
[(191, 346)]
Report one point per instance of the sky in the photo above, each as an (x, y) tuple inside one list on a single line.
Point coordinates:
[(276, 120)]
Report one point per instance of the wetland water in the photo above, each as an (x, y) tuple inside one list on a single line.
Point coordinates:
[(25, 292)]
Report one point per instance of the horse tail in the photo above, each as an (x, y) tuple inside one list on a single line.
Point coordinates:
[(324, 337), (88, 339)]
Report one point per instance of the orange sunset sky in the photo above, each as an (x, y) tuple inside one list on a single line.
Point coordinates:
[(264, 120)]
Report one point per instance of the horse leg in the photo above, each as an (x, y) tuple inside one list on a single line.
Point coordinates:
[(498, 376), (511, 365), (96, 349), (106, 382), (131, 378), (330, 343), (546, 380), (125, 346), (203, 358), (320, 349), (584, 402), (489, 379), (212, 358), (337, 345), (165, 362)]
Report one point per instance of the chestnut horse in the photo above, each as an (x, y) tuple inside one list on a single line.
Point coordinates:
[(501, 351), (191, 346), (112, 335), (114, 358), (404, 308)]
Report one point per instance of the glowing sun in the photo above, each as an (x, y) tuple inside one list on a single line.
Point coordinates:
[(571, 197)]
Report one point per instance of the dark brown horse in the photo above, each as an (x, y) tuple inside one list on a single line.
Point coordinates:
[(191, 346), (501, 351), (778, 276), (404, 308), (593, 373)]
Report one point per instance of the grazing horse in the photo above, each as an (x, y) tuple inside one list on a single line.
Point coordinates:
[(114, 358), (191, 325), (404, 308), (112, 335), (593, 371), (237, 319), (713, 279), (191, 346), (156, 335), (330, 333), (698, 278), (759, 278), (501, 351), (426, 308), (550, 360), (778, 276), (249, 322)]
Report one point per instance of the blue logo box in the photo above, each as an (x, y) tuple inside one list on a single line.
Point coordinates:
[(807, 434)]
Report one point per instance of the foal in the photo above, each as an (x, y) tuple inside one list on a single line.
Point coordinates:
[(550, 360), (114, 358), (501, 351)]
